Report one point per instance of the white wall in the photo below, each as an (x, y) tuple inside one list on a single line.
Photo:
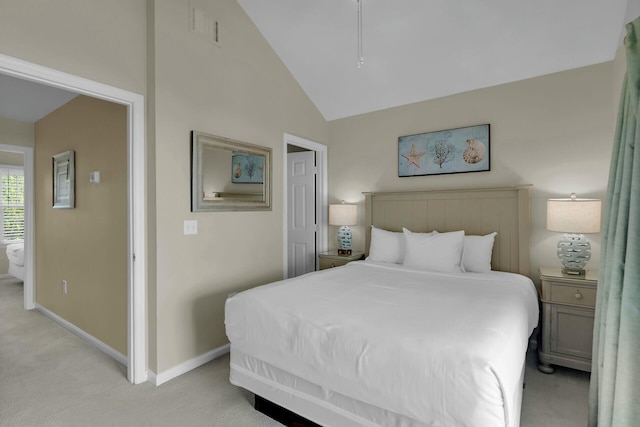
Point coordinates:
[(554, 132)]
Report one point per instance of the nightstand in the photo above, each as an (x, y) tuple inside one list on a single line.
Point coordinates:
[(332, 259), (568, 306)]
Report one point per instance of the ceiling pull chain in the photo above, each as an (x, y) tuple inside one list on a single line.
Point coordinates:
[(360, 54)]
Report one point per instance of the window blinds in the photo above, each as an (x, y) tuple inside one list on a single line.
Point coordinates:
[(12, 203)]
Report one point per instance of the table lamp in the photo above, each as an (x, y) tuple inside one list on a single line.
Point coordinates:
[(343, 215), (574, 217)]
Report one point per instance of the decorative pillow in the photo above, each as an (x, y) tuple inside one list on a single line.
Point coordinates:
[(434, 251), (386, 246), (476, 255)]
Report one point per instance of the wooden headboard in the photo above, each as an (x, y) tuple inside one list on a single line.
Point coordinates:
[(477, 211)]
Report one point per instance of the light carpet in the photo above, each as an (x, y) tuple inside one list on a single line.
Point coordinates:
[(50, 377)]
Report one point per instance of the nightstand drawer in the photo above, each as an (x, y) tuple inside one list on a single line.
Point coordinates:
[(329, 263), (575, 295), (332, 259)]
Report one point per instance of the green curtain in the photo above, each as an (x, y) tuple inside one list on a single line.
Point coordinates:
[(614, 395)]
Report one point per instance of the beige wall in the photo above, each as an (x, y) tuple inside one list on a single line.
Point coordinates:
[(104, 41), (242, 91), (87, 246), (554, 132), (13, 132), (99, 40)]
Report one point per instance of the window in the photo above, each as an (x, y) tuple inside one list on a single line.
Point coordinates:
[(12, 204)]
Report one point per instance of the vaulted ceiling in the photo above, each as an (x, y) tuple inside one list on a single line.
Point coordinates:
[(416, 50)]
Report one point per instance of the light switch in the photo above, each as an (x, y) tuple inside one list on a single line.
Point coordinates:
[(190, 227)]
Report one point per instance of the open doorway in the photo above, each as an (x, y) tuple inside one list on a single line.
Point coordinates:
[(136, 311), (12, 209), (305, 204)]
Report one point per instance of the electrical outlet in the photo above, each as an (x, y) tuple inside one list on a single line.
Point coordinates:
[(64, 287)]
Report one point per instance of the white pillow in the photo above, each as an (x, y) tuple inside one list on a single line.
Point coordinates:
[(386, 246), (476, 255), (434, 251), (406, 230)]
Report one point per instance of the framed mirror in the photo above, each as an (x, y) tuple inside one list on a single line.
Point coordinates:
[(228, 175)]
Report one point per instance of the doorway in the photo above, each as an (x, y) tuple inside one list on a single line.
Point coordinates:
[(23, 159), (303, 257), (136, 312)]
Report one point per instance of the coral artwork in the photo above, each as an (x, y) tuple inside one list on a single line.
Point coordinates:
[(447, 151), (442, 152)]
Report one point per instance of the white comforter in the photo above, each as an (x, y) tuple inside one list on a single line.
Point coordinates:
[(442, 349)]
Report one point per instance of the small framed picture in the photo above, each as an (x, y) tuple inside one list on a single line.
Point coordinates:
[(247, 168), (64, 180), (447, 151)]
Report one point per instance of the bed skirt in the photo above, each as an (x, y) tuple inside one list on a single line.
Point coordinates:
[(317, 404)]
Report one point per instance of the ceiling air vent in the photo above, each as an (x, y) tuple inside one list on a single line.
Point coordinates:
[(204, 25)]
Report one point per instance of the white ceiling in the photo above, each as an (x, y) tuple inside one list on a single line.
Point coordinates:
[(416, 50), (27, 101)]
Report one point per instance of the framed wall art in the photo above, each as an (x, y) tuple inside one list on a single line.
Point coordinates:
[(448, 151), (64, 180), (247, 168)]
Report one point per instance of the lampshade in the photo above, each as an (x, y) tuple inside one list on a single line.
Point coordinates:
[(343, 214), (574, 215)]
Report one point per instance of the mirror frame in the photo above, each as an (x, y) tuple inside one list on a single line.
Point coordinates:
[(201, 140)]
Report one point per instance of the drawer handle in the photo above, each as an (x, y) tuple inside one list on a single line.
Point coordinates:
[(578, 295)]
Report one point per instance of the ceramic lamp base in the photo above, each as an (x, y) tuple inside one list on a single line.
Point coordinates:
[(574, 250), (344, 240)]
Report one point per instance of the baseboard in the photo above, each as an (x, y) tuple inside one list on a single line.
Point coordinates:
[(5, 276), (187, 366), (105, 348)]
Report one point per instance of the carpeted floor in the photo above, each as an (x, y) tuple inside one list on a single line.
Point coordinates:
[(50, 377)]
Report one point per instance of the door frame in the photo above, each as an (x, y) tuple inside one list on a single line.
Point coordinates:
[(322, 194), (136, 172)]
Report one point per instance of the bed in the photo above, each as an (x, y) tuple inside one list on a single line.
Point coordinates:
[(15, 254), (387, 343)]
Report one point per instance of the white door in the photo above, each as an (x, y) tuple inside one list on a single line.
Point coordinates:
[(301, 196)]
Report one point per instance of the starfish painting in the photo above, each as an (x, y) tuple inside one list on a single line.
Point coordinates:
[(413, 157)]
